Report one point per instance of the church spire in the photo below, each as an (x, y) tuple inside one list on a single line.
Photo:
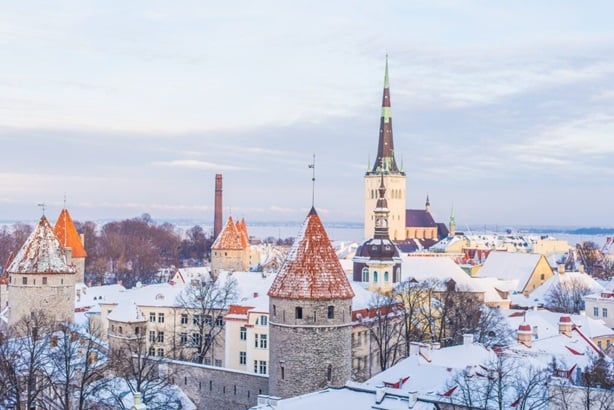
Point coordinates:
[(381, 212), (385, 160)]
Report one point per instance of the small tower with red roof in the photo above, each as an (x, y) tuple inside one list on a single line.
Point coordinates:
[(230, 251), (72, 242), (40, 277), (310, 306)]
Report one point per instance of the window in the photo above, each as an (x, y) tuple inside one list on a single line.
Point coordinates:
[(243, 333), (44, 280), (183, 339), (542, 276), (596, 312), (331, 312), (256, 340), (152, 317), (255, 366), (196, 339), (209, 320), (160, 337), (283, 373), (184, 318), (218, 362), (160, 352), (137, 330), (152, 351), (219, 321), (274, 310), (263, 342), (24, 280), (121, 330), (262, 367), (375, 276), (160, 317), (264, 320), (298, 313), (365, 274), (329, 373), (242, 357), (152, 336), (604, 312), (196, 319), (386, 276)]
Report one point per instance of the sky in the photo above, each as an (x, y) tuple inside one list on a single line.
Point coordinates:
[(501, 110)]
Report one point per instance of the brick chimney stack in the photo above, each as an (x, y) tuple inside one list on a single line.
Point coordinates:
[(217, 217)]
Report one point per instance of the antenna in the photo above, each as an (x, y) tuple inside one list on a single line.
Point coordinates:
[(42, 206), (64, 200), (313, 180)]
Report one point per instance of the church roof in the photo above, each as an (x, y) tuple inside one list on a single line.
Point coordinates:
[(68, 236), (229, 238), (419, 218), (311, 269), (41, 253)]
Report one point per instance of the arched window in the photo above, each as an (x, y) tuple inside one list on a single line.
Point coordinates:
[(365, 274), (396, 275), (386, 277), (375, 276)]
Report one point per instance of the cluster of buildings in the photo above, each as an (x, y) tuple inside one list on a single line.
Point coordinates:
[(298, 334)]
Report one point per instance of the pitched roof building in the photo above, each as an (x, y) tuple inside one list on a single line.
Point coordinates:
[(230, 251), (310, 320), (41, 277)]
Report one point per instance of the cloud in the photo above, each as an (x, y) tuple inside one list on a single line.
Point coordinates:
[(197, 164)]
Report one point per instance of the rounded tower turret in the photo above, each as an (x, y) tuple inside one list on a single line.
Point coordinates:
[(310, 317)]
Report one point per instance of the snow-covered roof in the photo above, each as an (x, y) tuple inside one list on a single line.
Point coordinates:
[(441, 268), (311, 269), (510, 266), (540, 295), (428, 369), (352, 396), (127, 312), (88, 296), (41, 253)]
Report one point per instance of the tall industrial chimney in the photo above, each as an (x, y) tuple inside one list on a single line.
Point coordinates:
[(217, 217)]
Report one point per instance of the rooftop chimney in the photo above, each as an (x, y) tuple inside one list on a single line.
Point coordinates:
[(565, 325), (525, 334), (467, 339), (217, 216)]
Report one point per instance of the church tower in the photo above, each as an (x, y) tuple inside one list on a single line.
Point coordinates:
[(310, 317), (72, 242), (40, 277), (378, 261), (394, 178)]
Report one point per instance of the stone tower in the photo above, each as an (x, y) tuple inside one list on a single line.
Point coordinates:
[(40, 277), (378, 261), (310, 317), (394, 178), (71, 240), (230, 251)]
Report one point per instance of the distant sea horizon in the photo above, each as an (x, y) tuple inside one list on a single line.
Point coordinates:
[(353, 231)]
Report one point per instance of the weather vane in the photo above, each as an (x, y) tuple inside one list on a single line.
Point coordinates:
[(313, 180), (42, 206)]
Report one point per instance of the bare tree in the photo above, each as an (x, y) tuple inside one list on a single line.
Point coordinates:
[(492, 328), (413, 296), (24, 361), (385, 325), (567, 296), (142, 373), (206, 301)]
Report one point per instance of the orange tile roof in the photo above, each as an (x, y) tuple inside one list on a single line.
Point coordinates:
[(242, 228), (68, 236), (311, 269), (229, 238)]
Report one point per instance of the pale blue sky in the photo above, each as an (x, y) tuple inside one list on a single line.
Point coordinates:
[(501, 109)]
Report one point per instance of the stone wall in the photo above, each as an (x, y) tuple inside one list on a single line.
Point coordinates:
[(218, 388), (53, 293), (311, 353)]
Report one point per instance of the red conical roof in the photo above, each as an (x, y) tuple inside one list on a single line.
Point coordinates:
[(68, 236), (311, 269), (229, 238)]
